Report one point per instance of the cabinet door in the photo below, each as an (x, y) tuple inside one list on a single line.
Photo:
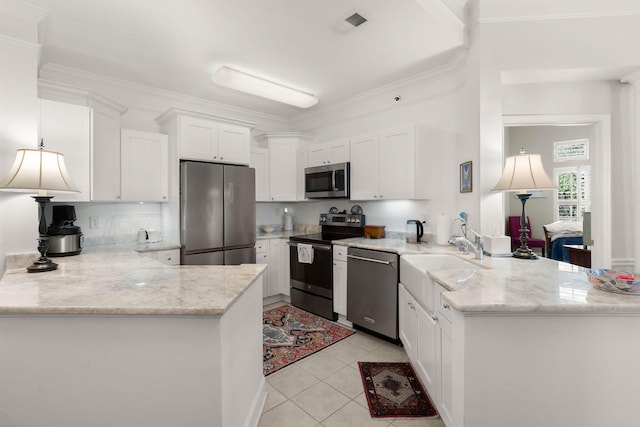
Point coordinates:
[(364, 167), (426, 348), (397, 163), (338, 151), (105, 168), (263, 258), (234, 144), (260, 162), (340, 287), (65, 128), (145, 166), (282, 170), (302, 163), (198, 139), (278, 277), (317, 155), (407, 323), (444, 395), (169, 256)]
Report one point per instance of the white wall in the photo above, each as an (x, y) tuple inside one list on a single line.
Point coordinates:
[(18, 124)]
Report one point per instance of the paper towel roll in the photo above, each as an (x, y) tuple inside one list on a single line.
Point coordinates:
[(443, 229)]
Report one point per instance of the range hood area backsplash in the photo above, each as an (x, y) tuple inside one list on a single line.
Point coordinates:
[(393, 214)]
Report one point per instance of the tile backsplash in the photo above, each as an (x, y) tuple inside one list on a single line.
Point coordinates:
[(116, 223)]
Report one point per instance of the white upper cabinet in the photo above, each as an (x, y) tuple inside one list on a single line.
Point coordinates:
[(260, 162), (391, 164), (365, 169), (85, 127), (66, 128), (208, 138), (329, 152), (284, 169), (145, 166)]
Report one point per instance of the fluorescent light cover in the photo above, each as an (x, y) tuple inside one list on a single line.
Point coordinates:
[(38, 170), (243, 82), (524, 172)]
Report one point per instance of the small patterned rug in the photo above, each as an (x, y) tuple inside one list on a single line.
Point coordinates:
[(394, 390), (290, 334)]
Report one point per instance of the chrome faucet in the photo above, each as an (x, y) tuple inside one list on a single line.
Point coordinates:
[(477, 248)]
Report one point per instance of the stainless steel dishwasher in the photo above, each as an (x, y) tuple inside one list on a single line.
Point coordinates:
[(372, 291)]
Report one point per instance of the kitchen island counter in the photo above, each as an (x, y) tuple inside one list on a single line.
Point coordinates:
[(112, 338), (116, 280)]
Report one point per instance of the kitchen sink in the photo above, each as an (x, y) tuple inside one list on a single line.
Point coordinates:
[(415, 278)]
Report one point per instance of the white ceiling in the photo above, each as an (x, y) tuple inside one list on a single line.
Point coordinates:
[(176, 45)]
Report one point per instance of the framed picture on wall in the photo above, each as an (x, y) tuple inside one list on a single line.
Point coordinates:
[(466, 177)]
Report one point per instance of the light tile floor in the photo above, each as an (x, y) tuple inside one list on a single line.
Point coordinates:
[(325, 389)]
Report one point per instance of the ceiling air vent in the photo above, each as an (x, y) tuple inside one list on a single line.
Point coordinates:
[(345, 25), (356, 19)]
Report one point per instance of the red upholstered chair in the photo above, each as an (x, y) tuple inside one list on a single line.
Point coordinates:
[(514, 231)]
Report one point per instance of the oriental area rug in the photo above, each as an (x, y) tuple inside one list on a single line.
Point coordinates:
[(393, 390), (290, 334)]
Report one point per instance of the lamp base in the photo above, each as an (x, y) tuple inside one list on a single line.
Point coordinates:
[(42, 264), (524, 253)]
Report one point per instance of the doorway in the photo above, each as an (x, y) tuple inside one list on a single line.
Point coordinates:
[(599, 130)]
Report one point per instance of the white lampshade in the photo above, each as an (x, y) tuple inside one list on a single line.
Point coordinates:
[(40, 170), (524, 172), (257, 86)]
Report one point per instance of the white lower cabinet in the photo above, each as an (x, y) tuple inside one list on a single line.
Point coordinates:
[(340, 280), (262, 257), (428, 340), (167, 256), (274, 253), (417, 328)]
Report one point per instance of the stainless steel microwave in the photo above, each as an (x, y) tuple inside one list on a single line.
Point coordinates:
[(327, 181)]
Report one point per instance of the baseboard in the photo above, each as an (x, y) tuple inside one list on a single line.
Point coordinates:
[(257, 405), (276, 298), (624, 264)]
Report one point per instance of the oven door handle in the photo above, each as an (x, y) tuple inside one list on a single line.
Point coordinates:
[(377, 261), (318, 247)]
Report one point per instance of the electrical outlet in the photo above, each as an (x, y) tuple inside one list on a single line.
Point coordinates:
[(94, 222)]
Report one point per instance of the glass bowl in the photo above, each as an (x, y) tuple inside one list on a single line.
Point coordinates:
[(620, 282)]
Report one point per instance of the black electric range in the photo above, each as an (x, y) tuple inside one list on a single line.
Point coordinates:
[(311, 262)]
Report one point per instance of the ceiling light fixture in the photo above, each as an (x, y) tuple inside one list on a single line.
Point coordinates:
[(244, 82)]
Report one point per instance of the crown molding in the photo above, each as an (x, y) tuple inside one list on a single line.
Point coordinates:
[(172, 113), (559, 16), (24, 9), (20, 42), (633, 78), (54, 71), (451, 66), (75, 95)]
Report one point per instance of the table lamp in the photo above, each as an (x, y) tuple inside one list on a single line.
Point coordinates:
[(40, 170), (523, 173)]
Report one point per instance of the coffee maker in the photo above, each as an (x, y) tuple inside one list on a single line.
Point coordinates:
[(64, 238)]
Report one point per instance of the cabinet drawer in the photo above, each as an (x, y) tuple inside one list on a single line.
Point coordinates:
[(169, 257), (443, 307), (339, 253), (262, 246)]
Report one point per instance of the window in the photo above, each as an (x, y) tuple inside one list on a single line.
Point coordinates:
[(577, 150), (573, 195)]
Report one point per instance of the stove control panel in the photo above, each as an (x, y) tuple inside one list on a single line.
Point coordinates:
[(342, 220)]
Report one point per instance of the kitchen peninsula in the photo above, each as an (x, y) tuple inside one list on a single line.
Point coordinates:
[(506, 342), (113, 338)]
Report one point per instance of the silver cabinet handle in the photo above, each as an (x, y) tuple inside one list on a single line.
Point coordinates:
[(377, 261), (446, 306)]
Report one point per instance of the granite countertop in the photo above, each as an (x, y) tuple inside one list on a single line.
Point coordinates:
[(158, 246), (511, 285), (117, 281), (280, 234)]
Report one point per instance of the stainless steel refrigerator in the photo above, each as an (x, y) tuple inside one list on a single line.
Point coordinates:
[(217, 214)]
